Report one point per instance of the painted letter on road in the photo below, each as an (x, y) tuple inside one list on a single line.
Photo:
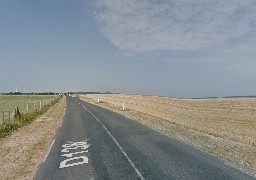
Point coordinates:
[(74, 151)]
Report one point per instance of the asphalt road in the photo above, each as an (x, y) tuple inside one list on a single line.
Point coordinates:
[(95, 143)]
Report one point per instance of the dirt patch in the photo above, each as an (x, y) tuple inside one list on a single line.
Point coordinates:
[(22, 152), (223, 127)]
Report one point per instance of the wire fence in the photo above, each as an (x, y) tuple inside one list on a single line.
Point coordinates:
[(10, 115)]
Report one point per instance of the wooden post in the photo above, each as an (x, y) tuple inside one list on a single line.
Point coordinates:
[(3, 116), (16, 112)]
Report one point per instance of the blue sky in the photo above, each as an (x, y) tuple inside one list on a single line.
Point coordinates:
[(185, 48)]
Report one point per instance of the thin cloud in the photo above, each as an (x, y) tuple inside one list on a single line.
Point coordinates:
[(173, 25)]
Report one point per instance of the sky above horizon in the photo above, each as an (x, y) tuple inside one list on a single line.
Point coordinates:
[(182, 48)]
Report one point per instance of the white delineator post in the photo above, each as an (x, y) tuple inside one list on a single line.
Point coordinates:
[(98, 101), (123, 106)]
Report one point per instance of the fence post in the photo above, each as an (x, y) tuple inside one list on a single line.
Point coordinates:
[(3, 116), (16, 112)]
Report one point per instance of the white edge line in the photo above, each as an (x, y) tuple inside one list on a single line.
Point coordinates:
[(233, 165), (63, 116), (119, 146), (49, 150)]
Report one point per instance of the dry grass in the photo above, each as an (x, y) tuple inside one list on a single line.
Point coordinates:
[(21, 152), (224, 127)]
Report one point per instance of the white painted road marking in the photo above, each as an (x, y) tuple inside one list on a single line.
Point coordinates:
[(119, 146), (49, 150), (82, 148), (67, 147), (65, 163), (71, 154)]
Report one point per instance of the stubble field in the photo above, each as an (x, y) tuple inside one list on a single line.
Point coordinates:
[(223, 127)]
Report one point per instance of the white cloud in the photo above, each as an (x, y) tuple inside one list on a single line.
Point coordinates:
[(142, 26)]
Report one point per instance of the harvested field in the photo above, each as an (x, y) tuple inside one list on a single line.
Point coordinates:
[(224, 127)]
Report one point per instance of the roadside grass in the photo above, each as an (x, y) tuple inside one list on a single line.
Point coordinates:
[(101, 102), (29, 155), (7, 128)]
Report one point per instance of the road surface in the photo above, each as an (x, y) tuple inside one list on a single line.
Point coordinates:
[(95, 143)]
